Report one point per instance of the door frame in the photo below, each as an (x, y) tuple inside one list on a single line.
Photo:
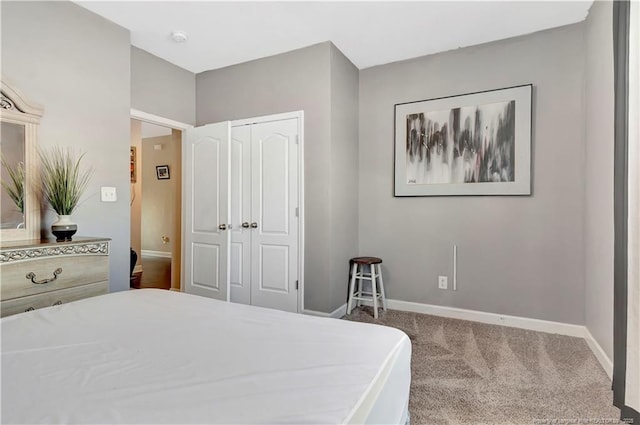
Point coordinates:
[(167, 122), (139, 115), (279, 117)]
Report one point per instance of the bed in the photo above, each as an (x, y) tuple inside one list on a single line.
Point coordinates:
[(154, 356)]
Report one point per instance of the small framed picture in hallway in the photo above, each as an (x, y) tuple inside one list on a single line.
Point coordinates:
[(162, 172)]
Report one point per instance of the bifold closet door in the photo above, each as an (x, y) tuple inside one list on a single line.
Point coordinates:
[(274, 225), (264, 199), (240, 203), (206, 211)]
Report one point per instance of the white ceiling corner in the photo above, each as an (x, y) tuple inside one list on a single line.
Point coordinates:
[(368, 33)]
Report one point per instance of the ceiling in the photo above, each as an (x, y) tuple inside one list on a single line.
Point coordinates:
[(368, 33), (153, 130)]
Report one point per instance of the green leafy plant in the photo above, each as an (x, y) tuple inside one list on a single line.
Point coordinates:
[(15, 185), (63, 181)]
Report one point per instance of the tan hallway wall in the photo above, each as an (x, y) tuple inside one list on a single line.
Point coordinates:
[(136, 193), (159, 196)]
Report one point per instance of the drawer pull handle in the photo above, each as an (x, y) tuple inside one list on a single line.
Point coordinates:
[(57, 303), (29, 309), (32, 276)]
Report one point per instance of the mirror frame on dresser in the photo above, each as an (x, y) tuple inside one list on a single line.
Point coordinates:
[(16, 108)]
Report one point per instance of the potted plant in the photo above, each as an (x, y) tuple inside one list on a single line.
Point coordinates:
[(63, 182)]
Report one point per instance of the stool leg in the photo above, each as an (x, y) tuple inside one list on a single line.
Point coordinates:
[(384, 297), (352, 285), (360, 280), (373, 291)]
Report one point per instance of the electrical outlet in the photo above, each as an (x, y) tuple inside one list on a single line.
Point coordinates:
[(108, 194), (443, 282)]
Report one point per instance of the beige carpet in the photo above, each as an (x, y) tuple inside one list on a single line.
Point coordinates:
[(471, 373)]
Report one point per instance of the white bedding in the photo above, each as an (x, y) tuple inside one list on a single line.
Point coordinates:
[(152, 356)]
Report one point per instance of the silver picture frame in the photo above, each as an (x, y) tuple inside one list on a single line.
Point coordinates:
[(470, 144)]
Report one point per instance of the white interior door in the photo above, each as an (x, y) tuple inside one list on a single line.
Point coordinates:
[(240, 203), (206, 210), (274, 203)]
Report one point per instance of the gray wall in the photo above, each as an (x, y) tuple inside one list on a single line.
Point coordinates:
[(522, 256), (343, 174), (598, 225), (547, 256), (76, 64), (161, 88), (297, 80)]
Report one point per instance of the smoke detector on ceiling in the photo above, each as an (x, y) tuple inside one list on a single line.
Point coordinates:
[(179, 36)]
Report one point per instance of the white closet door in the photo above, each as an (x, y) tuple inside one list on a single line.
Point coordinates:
[(206, 211), (274, 200), (240, 203)]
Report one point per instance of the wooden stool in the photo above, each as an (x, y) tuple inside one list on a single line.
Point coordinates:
[(374, 275)]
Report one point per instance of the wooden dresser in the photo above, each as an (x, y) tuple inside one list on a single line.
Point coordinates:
[(37, 274)]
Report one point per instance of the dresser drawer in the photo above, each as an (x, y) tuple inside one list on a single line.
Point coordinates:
[(63, 296), (75, 271)]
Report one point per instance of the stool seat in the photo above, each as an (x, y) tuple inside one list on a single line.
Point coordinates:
[(358, 272), (366, 260)]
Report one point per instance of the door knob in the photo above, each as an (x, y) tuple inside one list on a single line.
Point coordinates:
[(245, 225), (254, 225), (222, 227)]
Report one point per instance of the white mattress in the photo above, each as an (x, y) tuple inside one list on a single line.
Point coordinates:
[(152, 356)]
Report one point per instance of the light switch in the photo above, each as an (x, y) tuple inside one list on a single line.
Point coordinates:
[(108, 194)]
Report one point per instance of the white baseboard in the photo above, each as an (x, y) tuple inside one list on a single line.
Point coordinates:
[(339, 312), (489, 318), (315, 313), (159, 254), (600, 354), (560, 328), (336, 314)]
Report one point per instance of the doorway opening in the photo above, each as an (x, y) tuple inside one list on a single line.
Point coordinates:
[(156, 199)]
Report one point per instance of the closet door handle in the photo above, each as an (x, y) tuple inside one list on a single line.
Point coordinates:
[(245, 225), (222, 227), (254, 225)]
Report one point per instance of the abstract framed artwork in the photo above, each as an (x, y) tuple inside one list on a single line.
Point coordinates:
[(471, 144)]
